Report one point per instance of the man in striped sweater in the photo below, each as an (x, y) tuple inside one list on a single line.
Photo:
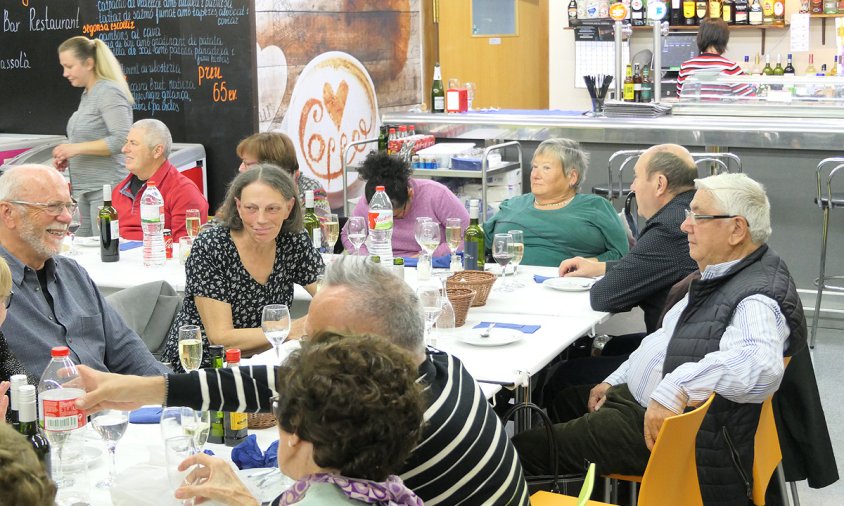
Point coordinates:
[(464, 455)]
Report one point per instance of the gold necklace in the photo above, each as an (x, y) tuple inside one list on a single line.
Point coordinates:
[(561, 203)]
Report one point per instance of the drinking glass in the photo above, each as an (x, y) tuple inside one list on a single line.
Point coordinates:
[(176, 450), (75, 223), (177, 421), (110, 424), (330, 231), (190, 347), (275, 322), (429, 236), (518, 253), (198, 428), (417, 231), (192, 222), (430, 296), (356, 230), (471, 89), (453, 82), (453, 237), (502, 252)]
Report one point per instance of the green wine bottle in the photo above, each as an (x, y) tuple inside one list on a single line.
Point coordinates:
[(437, 91), (217, 433), (109, 229), (473, 241), (311, 222)]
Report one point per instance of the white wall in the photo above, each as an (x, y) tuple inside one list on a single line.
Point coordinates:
[(563, 95)]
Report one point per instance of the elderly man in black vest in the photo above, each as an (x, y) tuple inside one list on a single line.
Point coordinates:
[(728, 335)]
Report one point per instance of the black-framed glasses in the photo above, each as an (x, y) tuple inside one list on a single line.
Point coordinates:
[(695, 217), (7, 300), (51, 208)]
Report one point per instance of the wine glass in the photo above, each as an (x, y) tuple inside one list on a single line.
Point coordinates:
[(430, 297), (192, 222), (198, 427), (275, 322), (72, 227), (502, 252), (471, 88), (518, 253), (453, 237), (110, 424), (430, 237), (330, 231), (177, 421), (356, 230), (190, 347), (417, 231), (176, 450)]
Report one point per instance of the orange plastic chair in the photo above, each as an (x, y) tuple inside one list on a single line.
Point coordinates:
[(767, 454), (543, 498), (671, 474)]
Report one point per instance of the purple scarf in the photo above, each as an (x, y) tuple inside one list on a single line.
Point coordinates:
[(387, 493)]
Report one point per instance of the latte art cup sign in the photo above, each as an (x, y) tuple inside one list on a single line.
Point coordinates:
[(333, 104)]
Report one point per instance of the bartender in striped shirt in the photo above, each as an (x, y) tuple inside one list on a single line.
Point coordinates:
[(727, 335), (712, 38)]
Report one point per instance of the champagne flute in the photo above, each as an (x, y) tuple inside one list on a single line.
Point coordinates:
[(190, 347), (197, 427), (518, 253), (453, 237), (356, 230), (72, 227), (110, 424), (430, 237), (330, 231), (192, 222), (417, 231), (430, 297), (502, 252), (275, 322)]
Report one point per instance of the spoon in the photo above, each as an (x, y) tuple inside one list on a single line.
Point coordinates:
[(485, 332)]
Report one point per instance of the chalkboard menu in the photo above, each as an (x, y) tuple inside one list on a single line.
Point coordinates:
[(189, 63)]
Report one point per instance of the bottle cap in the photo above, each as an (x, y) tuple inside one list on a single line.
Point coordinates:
[(150, 183), (233, 355), (380, 189), (60, 351), (26, 393), (216, 350), (107, 192), (474, 203)]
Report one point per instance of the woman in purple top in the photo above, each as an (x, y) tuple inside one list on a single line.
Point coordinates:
[(411, 199)]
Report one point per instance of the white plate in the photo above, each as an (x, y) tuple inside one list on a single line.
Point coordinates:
[(266, 484), (572, 284), (497, 337), (87, 242)]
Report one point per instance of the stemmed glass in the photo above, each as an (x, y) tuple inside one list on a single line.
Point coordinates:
[(430, 297), (110, 424), (356, 230), (330, 231), (177, 421), (190, 347), (198, 428), (453, 237), (192, 222), (502, 252), (417, 231), (518, 254), (72, 227), (429, 237), (275, 322)]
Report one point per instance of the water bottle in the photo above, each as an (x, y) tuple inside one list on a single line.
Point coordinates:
[(64, 426), (152, 222), (381, 226)]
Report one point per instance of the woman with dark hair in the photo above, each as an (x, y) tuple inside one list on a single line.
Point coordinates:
[(252, 259), (411, 198), (277, 148), (349, 414), (712, 38)]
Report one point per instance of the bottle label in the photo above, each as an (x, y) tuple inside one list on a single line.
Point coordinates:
[(779, 8), (151, 214), (62, 415), (470, 255), (689, 9), (439, 103), (115, 229), (317, 237), (237, 421), (381, 220)]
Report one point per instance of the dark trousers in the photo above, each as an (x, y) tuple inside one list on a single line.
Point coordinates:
[(611, 437)]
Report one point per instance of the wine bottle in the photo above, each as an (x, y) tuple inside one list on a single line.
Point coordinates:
[(689, 12), (572, 12), (109, 229), (217, 432), (17, 381), (778, 70), (742, 14), (728, 12), (473, 241), (437, 91), (234, 424), (311, 222), (676, 14), (714, 9), (27, 426), (810, 68), (779, 12), (768, 12), (637, 84), (701, 10), (647, 86), (755, 16), (767, 70)]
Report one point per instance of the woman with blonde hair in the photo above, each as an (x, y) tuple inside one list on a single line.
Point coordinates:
[(98, 129), (9, 365)]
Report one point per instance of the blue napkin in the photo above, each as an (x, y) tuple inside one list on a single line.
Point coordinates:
[(541, 279), (443, 262), (150, 414), (127, 245), (247, 455), (526, 329)]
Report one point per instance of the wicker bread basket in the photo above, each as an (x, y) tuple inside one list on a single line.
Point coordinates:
[(461, 299), (260, 420), (479, 281)]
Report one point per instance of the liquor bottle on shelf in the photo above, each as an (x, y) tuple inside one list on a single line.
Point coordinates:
[(701, 10), (572, 13), (637, 12), (473, 241), (109, 229), (822, 71), (742, 12), (647, 85), (728, 12), (778, 70), (768, 71), (830, 6), (755, 17), (789, 68), (834, 70), (637, 84), (675, 17), (629, 86), (437, 91), (779, 12), (689, 18), (817, 6), (768, 12), (810, 68), (714, 9)]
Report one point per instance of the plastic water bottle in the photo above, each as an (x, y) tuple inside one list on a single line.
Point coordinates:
[(64, 425), (152, 222), (381, 226)]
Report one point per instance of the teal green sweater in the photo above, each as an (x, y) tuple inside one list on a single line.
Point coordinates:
[(588, 226)]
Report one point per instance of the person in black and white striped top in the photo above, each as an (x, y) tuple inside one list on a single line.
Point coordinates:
[(464, 455)]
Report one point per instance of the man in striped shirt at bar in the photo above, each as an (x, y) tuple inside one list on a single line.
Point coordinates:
[(464, 455)]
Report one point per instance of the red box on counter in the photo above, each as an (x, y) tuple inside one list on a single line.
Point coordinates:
[(457, 100)]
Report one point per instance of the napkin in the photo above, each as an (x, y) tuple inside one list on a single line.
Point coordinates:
[(127, 245), (541, 279), (247, 455), (150, 414), (443, 262), (526, 329)]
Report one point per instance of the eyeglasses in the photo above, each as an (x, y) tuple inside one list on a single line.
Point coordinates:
[(695, 217), (7, 300), (51, 208)]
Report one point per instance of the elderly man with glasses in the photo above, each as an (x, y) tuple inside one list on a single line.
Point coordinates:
[(55, 302), (727, 335)]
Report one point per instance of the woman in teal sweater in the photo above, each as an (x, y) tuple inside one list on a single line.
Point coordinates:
[(559, 223)]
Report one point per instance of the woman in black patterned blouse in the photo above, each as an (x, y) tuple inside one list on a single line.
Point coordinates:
[(251, 260)]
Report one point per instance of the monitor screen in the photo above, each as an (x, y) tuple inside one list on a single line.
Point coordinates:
[(677, 48)]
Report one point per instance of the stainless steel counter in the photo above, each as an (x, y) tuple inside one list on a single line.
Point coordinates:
[(820, 134)]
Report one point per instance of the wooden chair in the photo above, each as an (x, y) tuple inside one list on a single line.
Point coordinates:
[(543, 498), (671, 474)]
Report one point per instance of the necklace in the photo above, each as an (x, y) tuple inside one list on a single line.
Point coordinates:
[(561, 203)]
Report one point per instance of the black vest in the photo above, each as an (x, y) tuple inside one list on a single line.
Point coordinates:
[(724, 446)]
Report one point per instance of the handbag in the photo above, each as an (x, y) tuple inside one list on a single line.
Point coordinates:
[(547, 482)]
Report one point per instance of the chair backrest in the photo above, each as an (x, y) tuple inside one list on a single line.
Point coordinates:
[(671, 475), (588, 486), (767, 453), (716, 163), (628, 159), (832, 165)]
